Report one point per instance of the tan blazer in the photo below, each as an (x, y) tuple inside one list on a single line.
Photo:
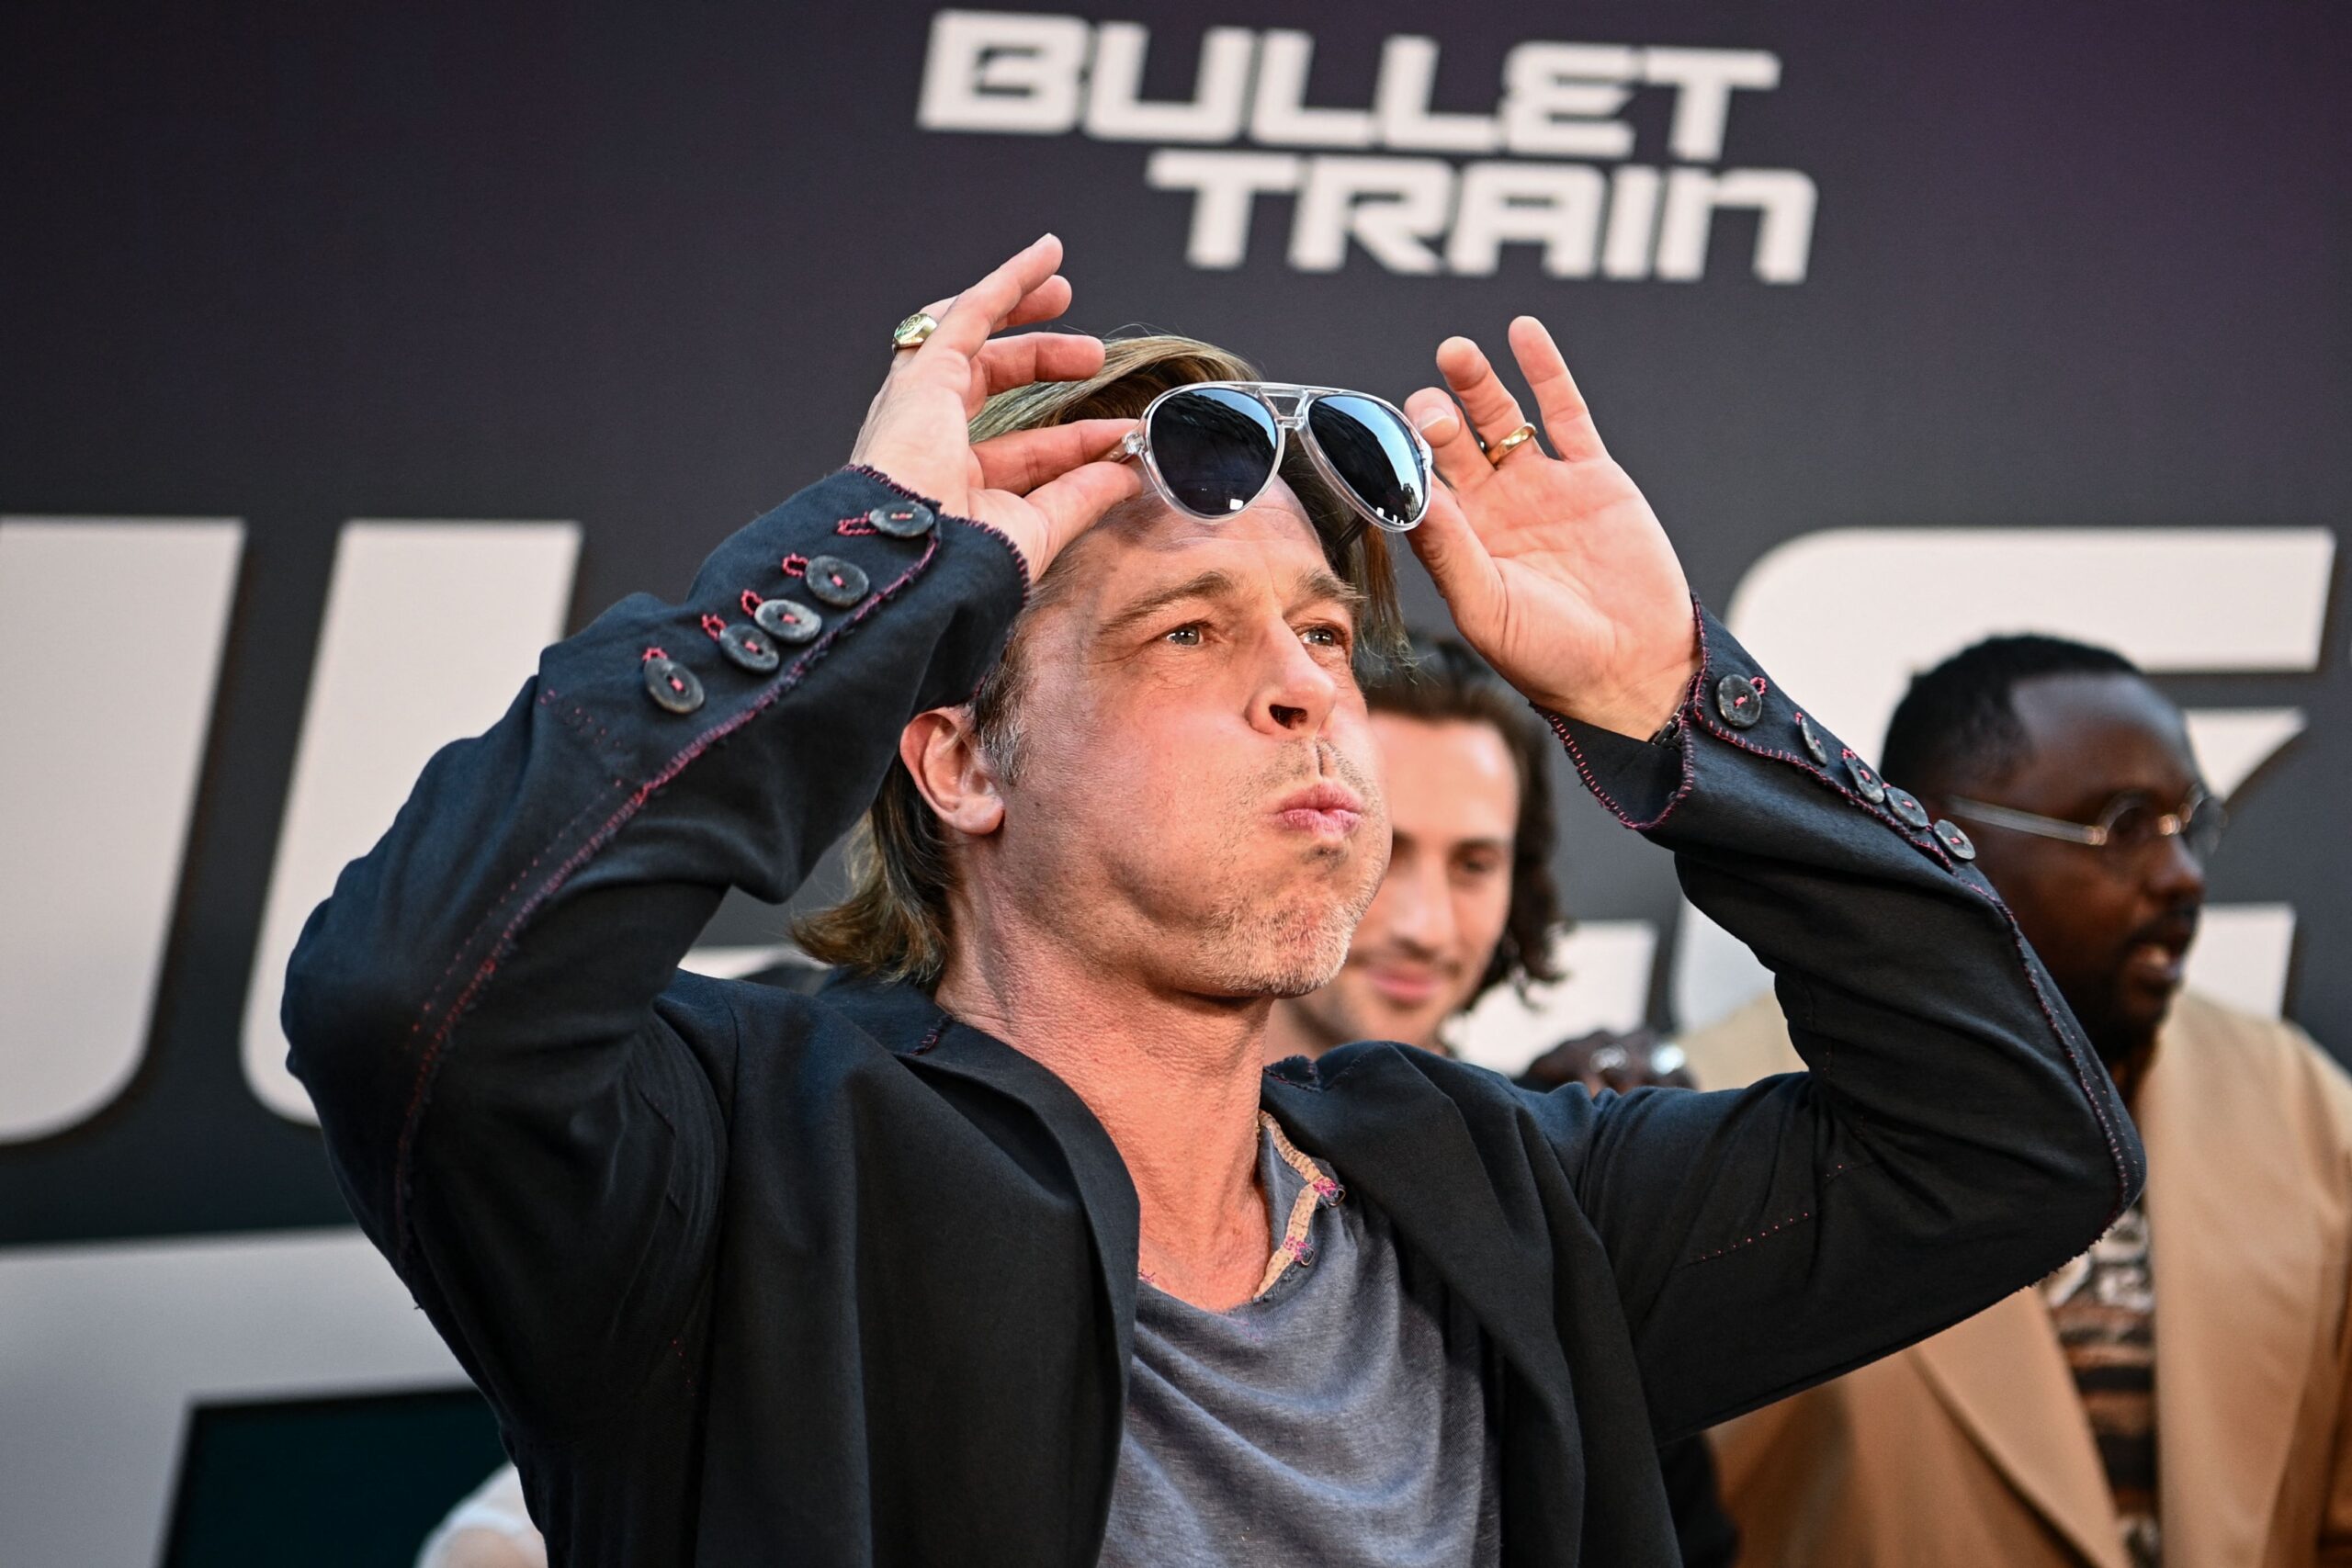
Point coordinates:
[(1972, 1448)]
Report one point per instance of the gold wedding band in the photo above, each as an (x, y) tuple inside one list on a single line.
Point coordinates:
[(910, 332), (1509, 444)]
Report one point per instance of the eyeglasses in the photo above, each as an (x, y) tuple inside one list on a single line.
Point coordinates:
[(2131, 824), (1211, 447)]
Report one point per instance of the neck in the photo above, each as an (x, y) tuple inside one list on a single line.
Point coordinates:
[(1172, 1078), (2128, 1065), (1293, 1029)]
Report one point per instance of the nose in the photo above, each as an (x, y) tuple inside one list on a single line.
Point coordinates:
[(1420, 914), (2174, 872), (1295, 692)]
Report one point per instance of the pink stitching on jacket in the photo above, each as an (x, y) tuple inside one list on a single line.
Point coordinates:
[(419, 1095), (1935, 851), (1020, 562), (1689, 703)]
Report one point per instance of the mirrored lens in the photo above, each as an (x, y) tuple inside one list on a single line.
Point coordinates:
[(1215, 447), (1370, 449)]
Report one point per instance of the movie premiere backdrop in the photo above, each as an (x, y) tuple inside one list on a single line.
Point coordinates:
[(347, 357)]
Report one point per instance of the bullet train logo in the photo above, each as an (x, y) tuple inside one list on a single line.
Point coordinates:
[(1552, 164), (92, 841)]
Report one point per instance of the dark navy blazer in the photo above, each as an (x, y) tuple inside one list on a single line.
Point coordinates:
[(754, 1277)]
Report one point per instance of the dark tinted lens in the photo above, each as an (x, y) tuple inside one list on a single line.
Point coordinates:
[(1373, 452), (1214, 448)]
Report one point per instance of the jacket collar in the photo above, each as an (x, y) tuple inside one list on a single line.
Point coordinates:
[(930, 1039), (2240, 1261), (2005, 1378), (1398, 1138), (1390, 1133)]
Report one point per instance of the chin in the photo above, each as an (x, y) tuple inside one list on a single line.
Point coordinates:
[(1281, 955)]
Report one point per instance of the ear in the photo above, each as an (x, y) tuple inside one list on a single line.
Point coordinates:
[(942, 751)]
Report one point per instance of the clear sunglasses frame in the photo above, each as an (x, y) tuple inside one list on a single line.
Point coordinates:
[(1288, 403), (2187, 823)]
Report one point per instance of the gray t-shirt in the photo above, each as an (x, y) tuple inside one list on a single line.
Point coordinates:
[(1339, 1416)]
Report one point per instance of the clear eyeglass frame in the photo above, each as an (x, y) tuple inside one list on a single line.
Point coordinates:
[(2198, 822), (1288, 403)]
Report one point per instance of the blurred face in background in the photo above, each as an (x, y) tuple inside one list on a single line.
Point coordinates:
[(1423, 946), (2113, 924)]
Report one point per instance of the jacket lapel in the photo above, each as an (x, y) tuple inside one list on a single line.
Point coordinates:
[(2003, 1376), (921, 1032), (2238, 1271), (1397, 1138)]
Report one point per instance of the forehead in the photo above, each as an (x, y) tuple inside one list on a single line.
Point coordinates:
[(2103, 732), (1146, 545), (1448, 775)]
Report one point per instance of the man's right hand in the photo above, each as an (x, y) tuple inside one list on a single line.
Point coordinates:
[(1040, 488)]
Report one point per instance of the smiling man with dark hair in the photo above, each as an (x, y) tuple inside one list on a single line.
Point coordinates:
[(1008, 1249)]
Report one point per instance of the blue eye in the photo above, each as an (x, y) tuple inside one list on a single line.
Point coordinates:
[(1185, 637)]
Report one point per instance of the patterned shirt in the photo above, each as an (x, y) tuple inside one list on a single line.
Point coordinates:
[(2104, 1306)]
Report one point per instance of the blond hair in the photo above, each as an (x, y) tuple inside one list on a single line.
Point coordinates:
[(894, 924)]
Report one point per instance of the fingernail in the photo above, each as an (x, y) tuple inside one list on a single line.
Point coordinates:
[(1431, 420)]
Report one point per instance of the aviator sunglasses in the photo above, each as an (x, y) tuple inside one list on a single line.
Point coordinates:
[(1211, 447)]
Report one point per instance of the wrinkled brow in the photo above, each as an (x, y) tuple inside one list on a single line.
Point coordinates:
[(1209, 585), (1325, 586), (1318, 586)]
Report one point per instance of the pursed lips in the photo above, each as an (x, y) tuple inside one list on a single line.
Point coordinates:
[(1325, 809)]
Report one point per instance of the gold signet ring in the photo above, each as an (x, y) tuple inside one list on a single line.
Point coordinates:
[(910, 332), (1509, 444)]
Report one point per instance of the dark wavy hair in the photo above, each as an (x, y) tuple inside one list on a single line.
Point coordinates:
[(1439, 679)]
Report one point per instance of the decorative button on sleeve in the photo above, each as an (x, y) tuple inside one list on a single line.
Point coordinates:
[(1866, 782), (670, 683), (1739, 701), (835, 581), (1812, 739), (901, 520), (788, 620), (1961, 845), (1905, 806), (746, 645)]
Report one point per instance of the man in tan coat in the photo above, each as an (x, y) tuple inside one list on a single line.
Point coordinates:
[(2177, 1395)]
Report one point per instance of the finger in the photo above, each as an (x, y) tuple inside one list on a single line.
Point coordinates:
[(980, 311), (1025, 460), (1494, 412), (1458, 563), (1042, 303), (1008, 362), (1077, 500), (1566, 419), (1459, 461)]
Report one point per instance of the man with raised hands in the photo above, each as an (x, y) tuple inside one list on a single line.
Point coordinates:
[(1009, 1251)]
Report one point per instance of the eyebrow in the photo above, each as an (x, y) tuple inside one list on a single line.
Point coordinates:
[(1319, 585)]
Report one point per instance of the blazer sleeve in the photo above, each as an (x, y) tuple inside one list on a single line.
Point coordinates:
[(1955, 1137), (525, 1128)]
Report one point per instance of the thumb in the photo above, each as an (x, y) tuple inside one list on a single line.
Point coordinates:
[(1458, 563)]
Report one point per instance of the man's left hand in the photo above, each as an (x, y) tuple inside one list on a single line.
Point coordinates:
[(1556, 568)]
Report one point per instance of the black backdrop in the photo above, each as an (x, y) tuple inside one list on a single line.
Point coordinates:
[(2071, 266)]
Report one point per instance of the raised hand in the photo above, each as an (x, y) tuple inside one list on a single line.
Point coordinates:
[(1556, 568), (1040, 488)]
